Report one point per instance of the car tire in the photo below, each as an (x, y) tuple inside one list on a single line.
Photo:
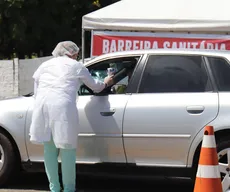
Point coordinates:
[(222, 144), (9, 164)]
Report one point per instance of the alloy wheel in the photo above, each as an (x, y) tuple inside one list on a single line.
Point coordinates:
[(2, 157), (224, 167)]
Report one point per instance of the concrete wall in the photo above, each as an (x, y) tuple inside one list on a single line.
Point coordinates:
[(26, 69), (16, 76), (8, 78)]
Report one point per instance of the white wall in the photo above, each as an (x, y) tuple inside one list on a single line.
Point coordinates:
[(8, 78), (16, 76), (27, 67)]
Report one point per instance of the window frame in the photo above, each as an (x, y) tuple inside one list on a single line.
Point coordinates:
[(130, 88), (214, 80), (205, 63)]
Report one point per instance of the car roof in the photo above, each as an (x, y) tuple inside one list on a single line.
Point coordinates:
[(222, 53)]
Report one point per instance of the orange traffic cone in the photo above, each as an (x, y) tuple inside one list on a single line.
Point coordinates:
[(208, 174)]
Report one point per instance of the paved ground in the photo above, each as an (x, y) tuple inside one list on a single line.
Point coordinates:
[(38, 183)]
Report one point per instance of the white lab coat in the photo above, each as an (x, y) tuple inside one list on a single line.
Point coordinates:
[(55, 90)]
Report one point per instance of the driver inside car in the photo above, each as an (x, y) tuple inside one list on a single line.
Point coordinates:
[(121, 89), (126, 74), (121, 70)]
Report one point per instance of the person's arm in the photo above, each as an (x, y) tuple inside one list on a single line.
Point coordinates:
[(96, 85)]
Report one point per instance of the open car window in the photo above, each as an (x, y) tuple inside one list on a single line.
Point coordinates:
[(123, 68)]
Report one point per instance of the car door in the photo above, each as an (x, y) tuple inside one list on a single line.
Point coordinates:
[(101, 116), (174, 101)]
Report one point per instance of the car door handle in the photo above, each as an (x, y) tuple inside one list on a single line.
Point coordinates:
[(108, 113), (195, 109)]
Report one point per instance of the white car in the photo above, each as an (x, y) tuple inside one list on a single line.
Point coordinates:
[(151, 121)]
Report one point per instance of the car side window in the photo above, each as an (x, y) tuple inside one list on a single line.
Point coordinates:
[(221, 70), (99, 72), (173, 74)]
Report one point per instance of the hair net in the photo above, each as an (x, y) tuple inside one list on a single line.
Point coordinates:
[(65, 48)]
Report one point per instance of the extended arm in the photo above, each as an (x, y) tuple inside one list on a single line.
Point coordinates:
[(89, 81)]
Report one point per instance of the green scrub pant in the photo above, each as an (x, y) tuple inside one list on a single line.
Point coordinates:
[(68, 166)]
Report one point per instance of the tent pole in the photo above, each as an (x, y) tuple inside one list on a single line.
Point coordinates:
[(83, 45)]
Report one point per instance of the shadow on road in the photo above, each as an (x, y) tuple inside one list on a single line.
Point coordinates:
[(38, 182), (29, 181)]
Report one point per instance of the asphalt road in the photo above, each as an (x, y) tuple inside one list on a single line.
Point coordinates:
[(38, 182)]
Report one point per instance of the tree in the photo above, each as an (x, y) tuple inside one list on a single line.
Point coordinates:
[(35, 26)]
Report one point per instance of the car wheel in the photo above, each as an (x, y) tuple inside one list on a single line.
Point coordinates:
[(8, 159), (223, 150)]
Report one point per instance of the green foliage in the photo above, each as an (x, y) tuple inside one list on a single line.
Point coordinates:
[(33, 27)]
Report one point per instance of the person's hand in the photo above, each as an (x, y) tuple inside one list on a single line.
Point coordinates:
[(109, 80)]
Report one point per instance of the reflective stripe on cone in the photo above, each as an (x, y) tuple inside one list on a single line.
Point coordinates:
[(208, 171)]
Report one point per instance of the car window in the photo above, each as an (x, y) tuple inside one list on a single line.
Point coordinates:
[(221, 71), (99, 72), (174, 73)]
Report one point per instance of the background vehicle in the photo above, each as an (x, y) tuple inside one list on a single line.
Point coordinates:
[(150, 122)]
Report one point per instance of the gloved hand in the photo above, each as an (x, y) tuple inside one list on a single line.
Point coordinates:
[(109, 80)]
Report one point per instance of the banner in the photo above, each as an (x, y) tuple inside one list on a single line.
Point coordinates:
[(108, 42)]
